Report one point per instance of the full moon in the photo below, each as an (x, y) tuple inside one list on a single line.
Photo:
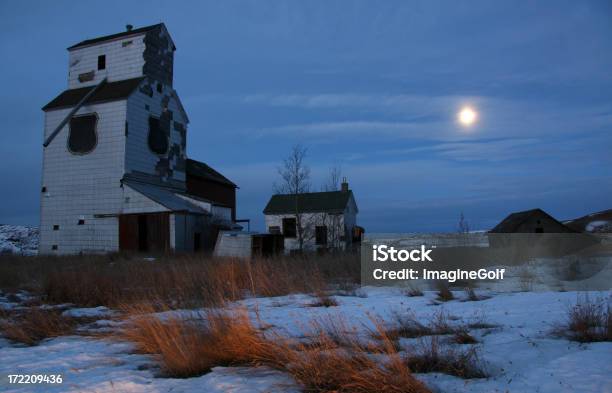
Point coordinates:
[(467, 116)]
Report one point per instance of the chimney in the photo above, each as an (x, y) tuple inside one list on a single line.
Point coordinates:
[(344, 186), (129, 27)]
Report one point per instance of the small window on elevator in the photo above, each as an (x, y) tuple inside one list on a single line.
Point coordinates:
[(102, 62)]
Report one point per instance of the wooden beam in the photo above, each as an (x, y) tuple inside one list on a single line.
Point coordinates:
[(72, 112)]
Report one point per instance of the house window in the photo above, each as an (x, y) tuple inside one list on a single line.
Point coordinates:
[(101, 62), (54, 247), (44, 189), (81, 222), (274, 229), (159, 88), (289, 227), (321, 235), (56, 227), (82, 138), (158, 139)]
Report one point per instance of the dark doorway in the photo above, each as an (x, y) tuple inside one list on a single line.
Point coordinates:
[(142, 234), (321, 235), (197, 241)]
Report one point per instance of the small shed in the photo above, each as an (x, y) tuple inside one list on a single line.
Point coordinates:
[(248, 244)]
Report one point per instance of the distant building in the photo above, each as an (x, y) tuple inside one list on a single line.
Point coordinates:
[(326, 219), (599, 222), (537, 233), (531, 221), (116, 176)]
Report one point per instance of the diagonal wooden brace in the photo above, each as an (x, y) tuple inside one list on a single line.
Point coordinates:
[(72, 112)]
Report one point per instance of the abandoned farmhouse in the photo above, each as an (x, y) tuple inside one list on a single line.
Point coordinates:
[(316, 219), (115, 172)]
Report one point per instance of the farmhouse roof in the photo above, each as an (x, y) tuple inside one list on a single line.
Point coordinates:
[(111, 37), (111, 91), (513, 221), (202, 170), (311, 202)]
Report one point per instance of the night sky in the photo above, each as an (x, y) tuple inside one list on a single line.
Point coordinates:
[(372, 86)]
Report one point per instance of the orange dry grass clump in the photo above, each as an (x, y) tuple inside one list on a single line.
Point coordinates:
[(588, 321), (34, 325), (337, 361), (192, 346)]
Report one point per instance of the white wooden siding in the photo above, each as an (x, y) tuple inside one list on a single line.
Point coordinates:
[(83, 185), (122, 62), (139, 156)]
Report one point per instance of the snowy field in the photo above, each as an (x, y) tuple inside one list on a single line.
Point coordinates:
[(517, 349), (18, 239)]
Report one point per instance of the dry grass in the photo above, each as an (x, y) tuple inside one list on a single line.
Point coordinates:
[(189, 347), (587, 321), (413, 291), (464, 337), (324, 300), (35, 324), (430, 356), (444, 293), (177, 281), (407, 325), (471, 294), (352, 370), (527, 277)]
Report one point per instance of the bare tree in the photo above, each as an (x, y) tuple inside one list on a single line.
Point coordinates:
[(295, 180), (333, 179), (294, 173), (464, 226)]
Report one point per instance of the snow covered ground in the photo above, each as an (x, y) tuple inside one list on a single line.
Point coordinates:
[(520, 354), (18, 239)]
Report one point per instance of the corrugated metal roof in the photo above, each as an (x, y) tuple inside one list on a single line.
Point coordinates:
[(311, 202), (110, 91), (165, 196)]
